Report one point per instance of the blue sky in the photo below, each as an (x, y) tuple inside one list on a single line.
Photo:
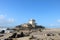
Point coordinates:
[(15, 12)]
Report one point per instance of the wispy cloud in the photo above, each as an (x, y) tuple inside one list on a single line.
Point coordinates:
[(58, 20), (4, 20), (2, 17), (11, 20), (56, 24), (51, 25)]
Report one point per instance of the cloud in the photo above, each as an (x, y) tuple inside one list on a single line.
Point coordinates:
[(55, 24), (11, 20), (51, 25), (2, 17), (58, 20), (4, 20)]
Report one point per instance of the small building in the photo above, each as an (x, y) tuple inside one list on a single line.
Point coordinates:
[(31, 23)]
